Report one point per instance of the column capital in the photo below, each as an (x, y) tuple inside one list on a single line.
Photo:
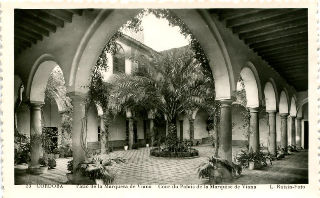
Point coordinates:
[(292, 116), (284, 115), (226, 102), (299, 118), (35, 104), (271, 111), (254, 109)]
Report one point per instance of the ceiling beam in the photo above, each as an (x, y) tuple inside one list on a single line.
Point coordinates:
[(285, 54), (291, 17), (36, 21), (290, 58), (26, 32), (45, 17), (255, 17), (33, 26), (292, 38), (277, 44), (75, 11), (284, 26), (288, 47), (227, 14), (23, 43), (294, 66), (64, 15), (287, 50), (25, 38), (276, 35), (289, 63)]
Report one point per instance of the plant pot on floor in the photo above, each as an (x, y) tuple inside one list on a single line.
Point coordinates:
[(125, 148), (251, 165), (147, 145), (99, 181)]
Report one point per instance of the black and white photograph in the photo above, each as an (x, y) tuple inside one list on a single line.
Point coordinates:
[(160, 96)]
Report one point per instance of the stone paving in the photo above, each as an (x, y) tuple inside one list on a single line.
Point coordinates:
[(141, 168)]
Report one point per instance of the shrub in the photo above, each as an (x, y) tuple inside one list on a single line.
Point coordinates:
[(65, 151), (70, 166), (97, 169), (259, 158), (43, 161), (165, 153), (21, 148), (211, 169), (52, 163), (56, 151), (135, 146)]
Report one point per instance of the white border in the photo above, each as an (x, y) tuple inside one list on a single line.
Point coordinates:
[(12, 191)]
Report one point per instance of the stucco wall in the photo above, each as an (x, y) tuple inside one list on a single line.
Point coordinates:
[(117, 129), (238, 131), (51, 117), (23, 119), (264, 129), (92, 124)]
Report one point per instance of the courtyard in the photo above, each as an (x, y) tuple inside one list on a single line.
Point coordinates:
[(141, 168), (142, 96)]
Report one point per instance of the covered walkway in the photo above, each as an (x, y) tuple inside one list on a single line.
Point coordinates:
[(141, 168)]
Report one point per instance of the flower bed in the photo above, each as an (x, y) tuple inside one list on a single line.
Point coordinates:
[(156, 152)]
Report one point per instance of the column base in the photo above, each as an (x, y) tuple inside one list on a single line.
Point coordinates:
[(37, 169)]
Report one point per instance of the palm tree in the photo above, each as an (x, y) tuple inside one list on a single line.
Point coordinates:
[(172, 82)]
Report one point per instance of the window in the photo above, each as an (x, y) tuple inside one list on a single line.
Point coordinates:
[(119, 62)]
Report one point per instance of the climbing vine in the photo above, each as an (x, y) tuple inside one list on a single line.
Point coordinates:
[(99, 90)]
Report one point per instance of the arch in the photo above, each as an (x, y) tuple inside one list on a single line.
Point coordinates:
[(283, 103), (251, 87), (270, 97), (104, 27), (274, 84), (300, 107), (39, 62), (293, 107)]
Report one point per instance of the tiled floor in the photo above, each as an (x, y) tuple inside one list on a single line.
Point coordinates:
[(141, 168)]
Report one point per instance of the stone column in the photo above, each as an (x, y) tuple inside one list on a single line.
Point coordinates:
[(130, 132), (35, 135), (151, 126), (284, 131), (191, 123), (254, 142), (293, 131), (299, 138), (272, 133), (103, 137), (130, 120), (78, 116), (226, 130), (181, 129), (151, 116)]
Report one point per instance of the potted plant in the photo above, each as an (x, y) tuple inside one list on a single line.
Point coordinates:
[(70, 169), (52, 163), (56, 153), (217, 170), (43, 164), (126, 147)]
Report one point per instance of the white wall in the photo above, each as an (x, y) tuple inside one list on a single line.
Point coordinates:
[(92, 124), (117, 129)]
